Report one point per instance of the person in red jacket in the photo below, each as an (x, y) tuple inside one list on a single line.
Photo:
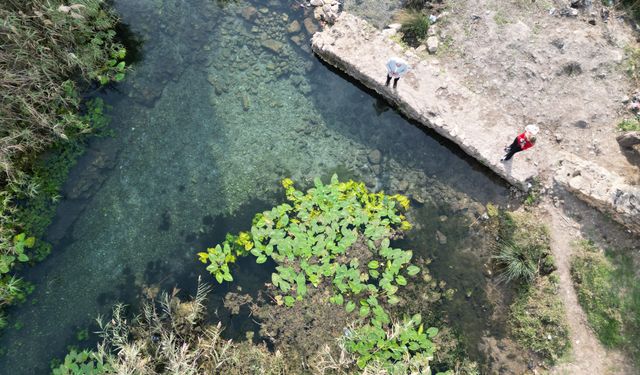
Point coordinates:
[(522, 142)]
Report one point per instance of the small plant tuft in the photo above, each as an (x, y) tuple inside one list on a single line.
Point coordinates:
[(415, 26)]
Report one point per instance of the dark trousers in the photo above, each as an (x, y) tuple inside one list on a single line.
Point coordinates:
[(395, 81), (515, 147)]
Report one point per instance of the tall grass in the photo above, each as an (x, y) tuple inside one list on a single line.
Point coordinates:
[(171, 336), (50, 52), (522, 251)]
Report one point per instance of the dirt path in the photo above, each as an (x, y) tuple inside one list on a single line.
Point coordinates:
[(588, 355)]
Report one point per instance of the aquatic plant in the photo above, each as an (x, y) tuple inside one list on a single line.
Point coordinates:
[(337, 236), (83, 362), (322, 236), (405, 339)]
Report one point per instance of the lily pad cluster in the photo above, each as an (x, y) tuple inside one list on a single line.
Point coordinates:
[(336, 237), (373, 343)]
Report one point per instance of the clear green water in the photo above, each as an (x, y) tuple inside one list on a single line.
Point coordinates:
[(205, 126)]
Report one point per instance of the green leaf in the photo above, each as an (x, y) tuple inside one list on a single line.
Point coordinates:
[(302, 285), (275, 279), (394, 300), (289, 301), (219, 278), (23, 257), (432, 332), (401, 280), (374, 264), (412, 270), (118, 77), (364, 311), (261, 259), (350, 306), (29, 242), (121, 65)]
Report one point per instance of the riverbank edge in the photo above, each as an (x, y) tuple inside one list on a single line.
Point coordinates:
[(355, 47)]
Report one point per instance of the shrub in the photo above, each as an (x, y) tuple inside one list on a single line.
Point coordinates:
[(50, 51), (45, 46), (415, 26), (537, 320), (523, 250)]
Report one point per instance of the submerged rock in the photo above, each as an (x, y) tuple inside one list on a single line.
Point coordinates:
[(249, 13), (272, 45), (310, 25), (294, 27), (246, 102), (441, 238), (375, 156)]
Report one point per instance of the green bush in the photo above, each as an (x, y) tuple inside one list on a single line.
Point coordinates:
[(537, 320), (415, 26), (523, 251)]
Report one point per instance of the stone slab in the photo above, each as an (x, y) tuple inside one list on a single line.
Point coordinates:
[(427, 95), (601, 188)]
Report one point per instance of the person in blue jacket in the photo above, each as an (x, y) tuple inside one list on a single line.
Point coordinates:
[(396, 68)]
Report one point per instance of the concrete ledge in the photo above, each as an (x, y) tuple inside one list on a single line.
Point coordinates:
[(601, 189), (426, 95)]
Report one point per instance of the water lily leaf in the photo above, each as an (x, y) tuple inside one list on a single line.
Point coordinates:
[(412, 270), (432, 332), (350, 306), (364, 311), (219, 278), (302, 285), (401, 280), (289, 301)]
